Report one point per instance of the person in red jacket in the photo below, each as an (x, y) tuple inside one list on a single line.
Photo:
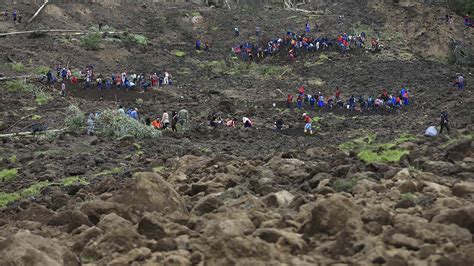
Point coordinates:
[(307, 126), (301, 91), (74, 80), (289, 101), (338, 94)]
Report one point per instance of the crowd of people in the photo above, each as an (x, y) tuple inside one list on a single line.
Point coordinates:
[(296, 43), (124, 80), (166, 121), (385, 100)]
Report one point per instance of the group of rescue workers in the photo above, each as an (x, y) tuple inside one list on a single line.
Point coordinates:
[(385, 100), (16, 16), (166, 122), (124, 80), (295, 43)]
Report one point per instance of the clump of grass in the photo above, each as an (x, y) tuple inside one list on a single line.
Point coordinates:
[(18, 67), (408, 196), (6, 198), (34, 190), (42, 98), (19, 86), (385, 156), (41, 70), (12, 159), (179, 53), (74, 118), (36, 117), (8, 174), (344, 185), (91, 41), (73, 180)]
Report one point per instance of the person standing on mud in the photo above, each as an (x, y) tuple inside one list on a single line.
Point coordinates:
[(307, 126), (63, 89), (90, 125), (14, 15), (444, 123), (237, 32), (165, 120), (174, 121)]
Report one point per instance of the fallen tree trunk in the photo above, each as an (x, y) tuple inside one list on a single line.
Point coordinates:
[(19, 77), (29, 133), (38, 11), (72, 32)]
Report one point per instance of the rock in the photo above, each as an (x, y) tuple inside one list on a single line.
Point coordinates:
[(441, 168), (463, 217), (421, 229), (287, 168), (315, 180), (399, 240), (376, 214), (407, 187), (464, 189), (459, 150), (96, 208), (136, 254), (24, 248), (207, 204), (280, 199), (151, 227), (119, 236), (73, 219), (80, 240), (331, 215), (402, 175), (37, 213), (230, 223), (288, 241), (150, 192), (437, 189), (405, 204), (164, 244)]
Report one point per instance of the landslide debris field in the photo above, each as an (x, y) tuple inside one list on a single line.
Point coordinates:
[(366, 188)]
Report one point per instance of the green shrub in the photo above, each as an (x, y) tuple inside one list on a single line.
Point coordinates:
[(42, 98), (18, 67), (41, 70), (408, 196), (384, 156), (115, 125), (36, 117), (6, 198), (139, 39), (20, 86), (34, 190), (91, 41), (74, 118), (12, 159), (8, 174)]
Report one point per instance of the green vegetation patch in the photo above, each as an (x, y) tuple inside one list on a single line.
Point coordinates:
[(74, 118), (19, 86), (18, 67), (41, 70), (6, 198), (371, 152), (34, 190), (42, 98), (91, 41), (8, 174), (74, 180), (115, 125), (36, 117), (179, 53)]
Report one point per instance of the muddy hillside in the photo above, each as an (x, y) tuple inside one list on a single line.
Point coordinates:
[(88, 177)]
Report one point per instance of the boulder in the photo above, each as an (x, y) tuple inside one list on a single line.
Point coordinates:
[(25, 248), (37, 213), (287, 168), (96, 208), (459, 150), (150, 192), (464, 189), (207, 204), (441, 168), (437, 189), (400, 240), (331, 215), (376, 214), (421, 229), (288, 241), (403, 175), (280, 199), (463, 217), (73, 219), (407, 187), (230, 223), (150, 227), (136, 254)]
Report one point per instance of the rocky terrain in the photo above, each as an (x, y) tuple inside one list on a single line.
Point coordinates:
[(367, 189)]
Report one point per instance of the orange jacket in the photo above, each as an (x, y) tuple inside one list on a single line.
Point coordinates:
[(156, 124)]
